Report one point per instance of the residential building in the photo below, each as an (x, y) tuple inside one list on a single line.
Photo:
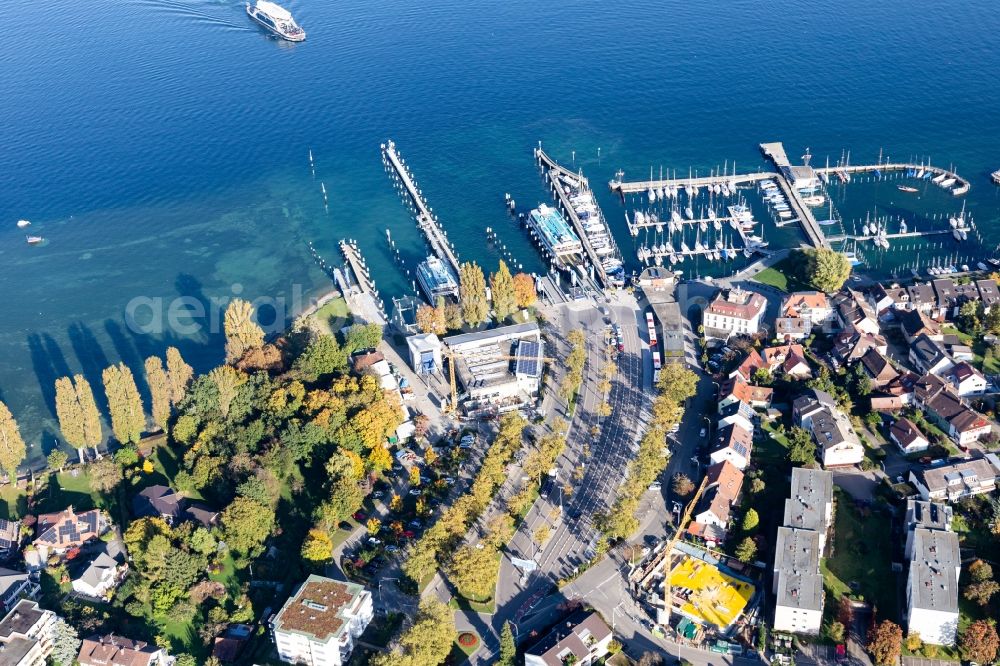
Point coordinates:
[(26, 635), (14, 586), (850, 344), (810, 505), (852, 310), (788, 360), (879, 369), (988, 293), (58, 532), (950, 483), (889, 301), (921, 514), (98, 572), (908, 437), (966, 380), (962, 423), (797, 581), (809, 404), (951, 296), (930, 356), (932, 586), (318, 624), (838, 444), (922, 298), (722, 490), (733, 444), (913, 324), (736, 312), (162, 502), (491, 383), (735, 389), (10, 538), (580, 639), (750, 365), (111, 650), (792, 328), (737, 413), (813, 306)]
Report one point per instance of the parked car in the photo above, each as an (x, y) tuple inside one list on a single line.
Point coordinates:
[(415, 492), (359, 516)]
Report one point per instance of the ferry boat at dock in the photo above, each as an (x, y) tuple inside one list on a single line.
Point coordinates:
[(276, 19), (437, 279)]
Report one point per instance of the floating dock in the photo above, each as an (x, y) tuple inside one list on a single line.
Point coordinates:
[(429, 225), (961, 185), (553, 171), (622, 187)]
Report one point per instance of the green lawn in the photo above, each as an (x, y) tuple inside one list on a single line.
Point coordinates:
[(862, 547), (13, 502), (71, 487), (773, 277), (334, 311)]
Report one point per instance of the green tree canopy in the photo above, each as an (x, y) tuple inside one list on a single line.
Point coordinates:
[(179, 375), (124, 403), (242, 332), (12, 448), (427, 642), (246, 525), (502, 289), (826, 269), (159, 391), (472, 294)]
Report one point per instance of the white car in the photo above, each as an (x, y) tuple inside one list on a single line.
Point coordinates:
[(655, 485)]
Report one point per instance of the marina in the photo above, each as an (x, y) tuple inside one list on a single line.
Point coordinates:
[(426, 220), (577, 202)]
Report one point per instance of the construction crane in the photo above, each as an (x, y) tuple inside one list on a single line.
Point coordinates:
[(668, 565), (451, 370)]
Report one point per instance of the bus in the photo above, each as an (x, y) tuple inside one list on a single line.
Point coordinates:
[(656, 361), (651, 327)]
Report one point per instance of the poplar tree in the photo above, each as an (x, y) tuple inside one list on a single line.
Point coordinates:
[(12, 448), (159, 391), (70, 415), (179, 374), (242, 332), (472, 294), (504, 298), (124, 403), (93, 432), (227, 380)]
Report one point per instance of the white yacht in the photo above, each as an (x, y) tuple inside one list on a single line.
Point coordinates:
[(277, 20)]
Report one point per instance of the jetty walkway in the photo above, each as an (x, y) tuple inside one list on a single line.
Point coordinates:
[(429, 225), (776, 152), (360, 293), (563, 199), (635, 187), (940, 175)]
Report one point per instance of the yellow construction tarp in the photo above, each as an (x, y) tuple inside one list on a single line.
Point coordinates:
[(714, 598)]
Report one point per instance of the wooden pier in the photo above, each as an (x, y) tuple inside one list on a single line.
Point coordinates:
[(563, 199), (428, 224), (360, 293), (636, 187), (776, 152)]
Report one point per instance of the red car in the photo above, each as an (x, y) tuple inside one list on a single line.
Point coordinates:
[(409, 534), (359, 516)]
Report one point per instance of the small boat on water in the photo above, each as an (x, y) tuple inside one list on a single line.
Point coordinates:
[(815, 200), (689, 212), (277, 20), (34, 240), (906, 188), (995, 176), (938, 178), (957, 234), (651, 194), (21, 224), (947, 182)]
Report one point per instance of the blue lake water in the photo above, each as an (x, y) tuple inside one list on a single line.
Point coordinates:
[(160, 146)]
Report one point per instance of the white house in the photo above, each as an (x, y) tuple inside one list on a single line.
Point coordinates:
[(733, 444), (581, 639), (99, 571), (967, 380), (26, 635), (737, 413), (932, 586), (318, 624), (950, 483), (736, 312), (907, 436), (797, 582)]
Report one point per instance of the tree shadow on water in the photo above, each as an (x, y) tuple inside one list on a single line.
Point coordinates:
[(92, 359), (49, 364)]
